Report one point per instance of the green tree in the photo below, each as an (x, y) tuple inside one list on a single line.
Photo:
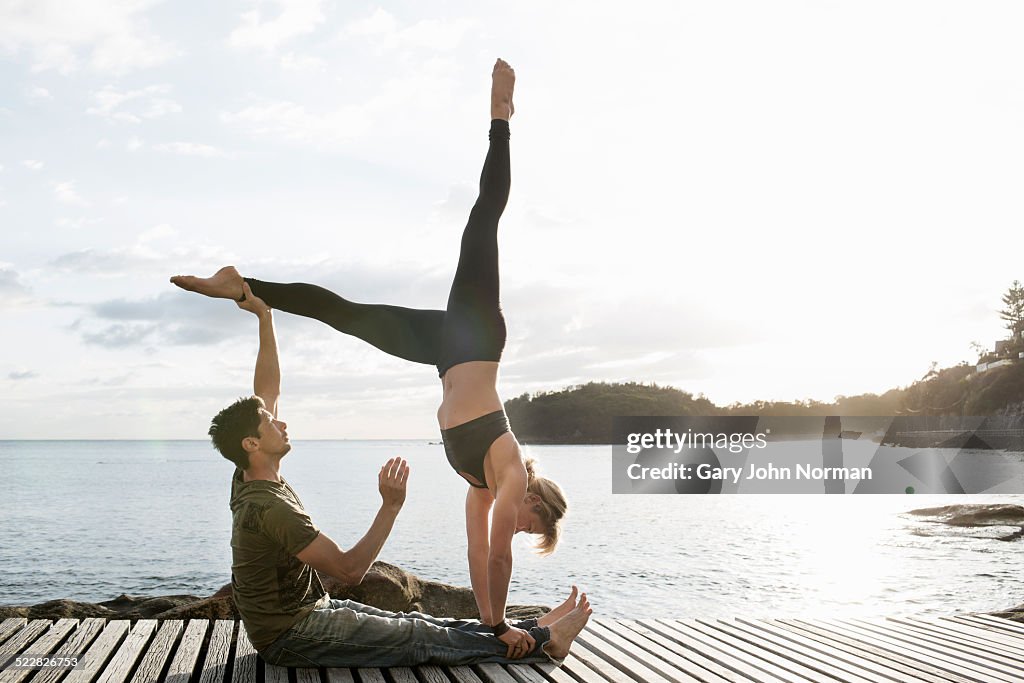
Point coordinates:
[(1013, 314)]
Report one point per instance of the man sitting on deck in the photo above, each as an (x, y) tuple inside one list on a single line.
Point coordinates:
[(277, 552)]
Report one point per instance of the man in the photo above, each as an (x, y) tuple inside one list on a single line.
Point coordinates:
[(277, 552)]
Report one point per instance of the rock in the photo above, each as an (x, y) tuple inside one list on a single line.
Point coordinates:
[(1013, 614), (385, 586), (975, 514)]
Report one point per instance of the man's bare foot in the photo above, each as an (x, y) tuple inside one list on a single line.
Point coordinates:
[(226, 283), (503, 81), (565, 630), (560, 611)]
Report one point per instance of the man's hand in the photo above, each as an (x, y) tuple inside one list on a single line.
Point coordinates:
[(519, 642), (251, 302), (391, 481)]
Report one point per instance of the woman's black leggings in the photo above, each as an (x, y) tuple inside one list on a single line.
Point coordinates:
[(471, 328)]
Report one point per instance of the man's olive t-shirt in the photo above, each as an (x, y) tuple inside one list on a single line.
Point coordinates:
[(272, 589)]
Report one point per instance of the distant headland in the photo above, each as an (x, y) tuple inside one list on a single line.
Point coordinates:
[(583, 414)]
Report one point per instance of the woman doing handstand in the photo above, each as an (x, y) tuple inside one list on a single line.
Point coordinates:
[(465, 342)]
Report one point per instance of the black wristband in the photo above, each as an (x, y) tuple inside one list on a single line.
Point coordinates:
[(501, 628)]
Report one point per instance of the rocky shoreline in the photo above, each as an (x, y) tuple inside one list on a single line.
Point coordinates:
[(385, 586)]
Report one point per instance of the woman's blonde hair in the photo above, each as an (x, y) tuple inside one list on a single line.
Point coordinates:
[(551, 508)]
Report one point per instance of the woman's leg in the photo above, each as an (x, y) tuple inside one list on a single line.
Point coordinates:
[(474, 328), (409, 333)]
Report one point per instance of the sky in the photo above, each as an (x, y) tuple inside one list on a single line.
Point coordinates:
[(745, 200)]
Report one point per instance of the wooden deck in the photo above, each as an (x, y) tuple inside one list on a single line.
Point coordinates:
[(957, 649)]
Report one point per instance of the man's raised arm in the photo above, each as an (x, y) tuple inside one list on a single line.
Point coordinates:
[(267, 380)]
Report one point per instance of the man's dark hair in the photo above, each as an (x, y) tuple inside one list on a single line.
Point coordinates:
[(236, 422)]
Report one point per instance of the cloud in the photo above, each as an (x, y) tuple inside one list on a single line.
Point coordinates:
[(295, 18), (19, 375), (123, 260), (157, 232), (172, 318), (65, 194), (111, 37), (77, 223), (12, 291), (145, 103), (292, 122), (38, 93), (32, 164), (296, 62), (385, 33), (429, 86), (193, 149)]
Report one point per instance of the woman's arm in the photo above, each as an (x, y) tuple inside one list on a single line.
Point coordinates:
[(478, 507)]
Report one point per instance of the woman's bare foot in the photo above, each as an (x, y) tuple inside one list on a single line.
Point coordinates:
[(226, 283), (560, 611), (565, 630), (503, 81)]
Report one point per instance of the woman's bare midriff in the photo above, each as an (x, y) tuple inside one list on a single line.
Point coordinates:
[(469, 390)]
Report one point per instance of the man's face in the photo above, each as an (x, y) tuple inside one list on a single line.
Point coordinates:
[(273, 434)]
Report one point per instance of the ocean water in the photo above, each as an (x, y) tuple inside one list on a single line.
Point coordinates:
[(90, 520)]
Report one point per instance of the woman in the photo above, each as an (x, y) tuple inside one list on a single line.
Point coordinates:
[(465, 342)]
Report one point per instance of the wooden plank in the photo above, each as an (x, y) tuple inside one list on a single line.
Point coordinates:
[(898, 653), (335, 675), (99, 652), (580, 671), (982, 640), (184, 662), (842, 655), (596, 662), (921, 670), (940, 655), (243, 669), (722, 657), (370, 675), (624, 661), (943, 656), (683, 673), (463, 674), (124, 659), (152, 664), (524, 673), (982, 629), (809, 657), (41, 648), (640, 639), (552, 672), (23, 639), (1005, 624), (216, 662), (307, 674), (770, 662), (707, 668), (493, 673), (75, 646), (402, 674), (432, 674), (992, 623), (11, 626), (272, 673), (962, 637)]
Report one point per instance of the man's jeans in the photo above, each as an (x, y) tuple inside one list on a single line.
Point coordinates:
[(344, 633)]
